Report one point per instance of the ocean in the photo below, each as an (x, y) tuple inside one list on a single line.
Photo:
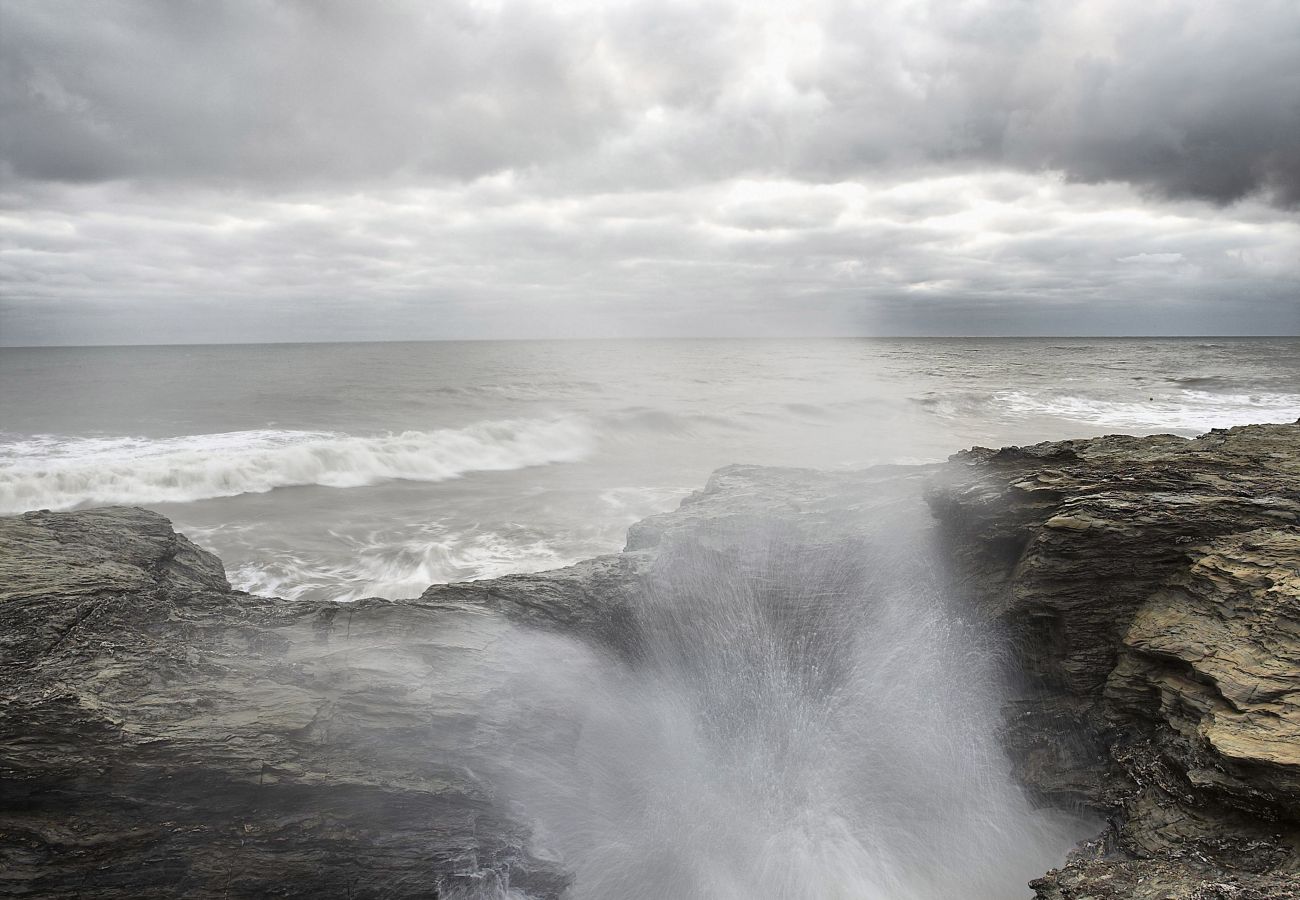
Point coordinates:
[(350, 470)]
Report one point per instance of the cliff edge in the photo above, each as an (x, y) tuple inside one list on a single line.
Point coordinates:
[(1150, 590)]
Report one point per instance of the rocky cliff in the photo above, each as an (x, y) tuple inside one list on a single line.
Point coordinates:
[(1150, 588), (163, 735)]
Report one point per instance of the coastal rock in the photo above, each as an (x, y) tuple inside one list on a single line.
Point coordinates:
[(591, 598), (1151, 591), (163, 735)]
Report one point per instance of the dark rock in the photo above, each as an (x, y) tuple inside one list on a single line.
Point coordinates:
[(1151, 588), (162, 735)]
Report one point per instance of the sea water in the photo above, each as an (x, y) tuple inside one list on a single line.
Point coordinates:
[(349, 470)]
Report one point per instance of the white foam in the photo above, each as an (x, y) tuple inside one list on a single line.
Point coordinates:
[(60, 473), (1187, 412), (386, 565), (632, 504)]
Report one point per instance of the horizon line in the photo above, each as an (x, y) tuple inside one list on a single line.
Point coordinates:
[(560, 340)]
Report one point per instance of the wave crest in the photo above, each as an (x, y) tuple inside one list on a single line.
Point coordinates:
[(59, 473)]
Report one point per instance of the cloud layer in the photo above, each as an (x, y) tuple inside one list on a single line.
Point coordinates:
[(480, 169)]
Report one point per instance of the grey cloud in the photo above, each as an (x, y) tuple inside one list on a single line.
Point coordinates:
[(1014, 255), (1199, 100), (287, 92), (1184, 99)]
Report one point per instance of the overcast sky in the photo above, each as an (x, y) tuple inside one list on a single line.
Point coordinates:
[(239, 171)]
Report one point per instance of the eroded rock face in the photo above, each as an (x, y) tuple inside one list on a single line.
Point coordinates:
[(1152, 591), (162, 735)]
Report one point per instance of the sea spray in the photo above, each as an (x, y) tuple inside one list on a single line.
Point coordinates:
[(782, 717)]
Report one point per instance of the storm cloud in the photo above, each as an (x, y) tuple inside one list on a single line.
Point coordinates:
[(1005, 166)]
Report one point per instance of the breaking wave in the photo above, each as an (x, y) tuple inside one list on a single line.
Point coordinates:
[(61, 473)]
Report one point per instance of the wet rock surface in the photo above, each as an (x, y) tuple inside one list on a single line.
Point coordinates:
[(1151, 590), (163, 735)]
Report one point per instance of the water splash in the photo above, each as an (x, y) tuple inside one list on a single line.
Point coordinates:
[(785, 721)]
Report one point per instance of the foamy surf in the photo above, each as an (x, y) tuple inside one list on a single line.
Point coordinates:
[(402, 561), (62, 473), (1187, 412), (385, 565)]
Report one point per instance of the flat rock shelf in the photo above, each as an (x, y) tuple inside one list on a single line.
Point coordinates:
[(164, 735)]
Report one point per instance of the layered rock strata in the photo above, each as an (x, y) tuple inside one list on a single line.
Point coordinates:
[(1151, 591)]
